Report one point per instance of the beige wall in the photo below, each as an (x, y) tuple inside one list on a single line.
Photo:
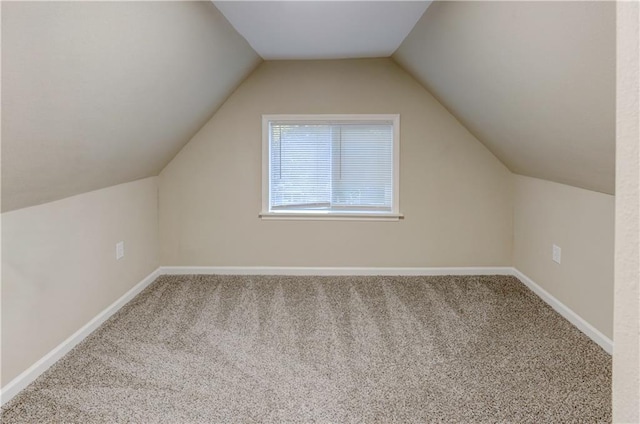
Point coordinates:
[(581, 223), (456, 196), (59, 268), (626, 355)]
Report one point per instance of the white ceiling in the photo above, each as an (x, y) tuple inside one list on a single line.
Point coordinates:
[(323, 29)]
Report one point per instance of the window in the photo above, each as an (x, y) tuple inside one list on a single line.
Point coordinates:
[(331, 166)]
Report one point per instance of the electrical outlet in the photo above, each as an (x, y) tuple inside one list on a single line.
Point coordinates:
[(120, 250), (556, 254)]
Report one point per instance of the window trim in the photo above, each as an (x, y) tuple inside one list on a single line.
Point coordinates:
[(394, 215)]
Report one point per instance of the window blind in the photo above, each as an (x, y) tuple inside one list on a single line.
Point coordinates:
[(334, 166)]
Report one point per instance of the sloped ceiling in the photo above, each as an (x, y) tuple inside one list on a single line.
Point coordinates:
[(100, 93), (534, 81)]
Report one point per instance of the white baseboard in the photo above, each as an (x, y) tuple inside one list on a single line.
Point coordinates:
[(23, 380), (268, 270), (575, 319)]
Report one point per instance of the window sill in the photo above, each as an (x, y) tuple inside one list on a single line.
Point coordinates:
[(330, 216)]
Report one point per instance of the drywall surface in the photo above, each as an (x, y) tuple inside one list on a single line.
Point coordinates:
[(581, 223), (323, 29), (110, 91), (455, 195), (59, 268), (626, 353), (534, 81)]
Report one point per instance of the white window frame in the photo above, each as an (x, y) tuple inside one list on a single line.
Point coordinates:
[(394, 215)]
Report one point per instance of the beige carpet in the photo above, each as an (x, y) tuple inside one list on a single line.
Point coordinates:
[(211, 349)]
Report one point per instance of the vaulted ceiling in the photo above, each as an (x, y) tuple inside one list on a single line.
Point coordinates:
[(534, 81), (100, 93)]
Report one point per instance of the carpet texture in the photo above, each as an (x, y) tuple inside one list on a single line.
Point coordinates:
[(212, 349)]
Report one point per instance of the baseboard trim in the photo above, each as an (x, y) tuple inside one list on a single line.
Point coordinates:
[(575, 319), (30, 374), (321, 271)]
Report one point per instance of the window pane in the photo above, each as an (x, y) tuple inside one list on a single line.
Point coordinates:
[(331, 166), (300, 165), (363, 170)]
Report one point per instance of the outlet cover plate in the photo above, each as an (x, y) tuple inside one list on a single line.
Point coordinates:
[(120, 250), (556, 254)]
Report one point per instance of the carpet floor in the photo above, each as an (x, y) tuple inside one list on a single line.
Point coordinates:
[(213, 349)]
